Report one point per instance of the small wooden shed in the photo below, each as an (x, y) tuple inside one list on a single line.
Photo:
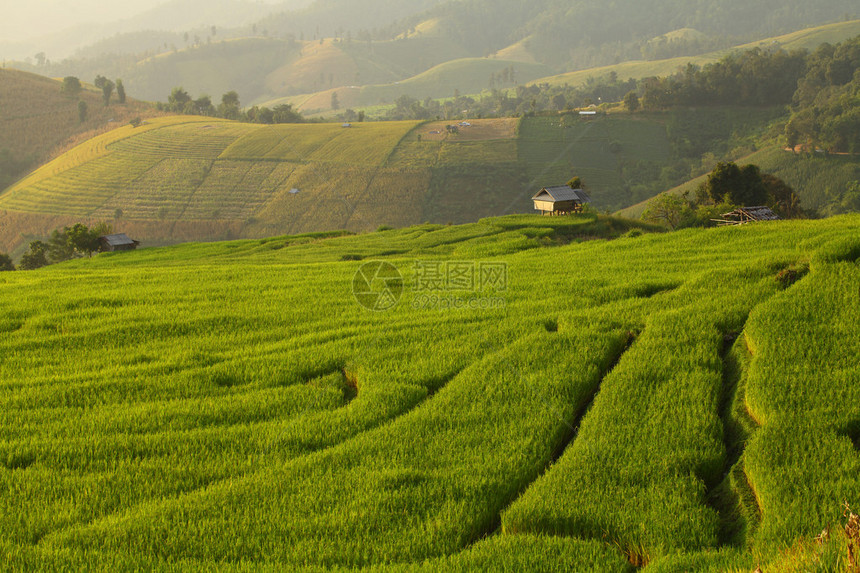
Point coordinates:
[(560, 200), (117, 242), (747, 215)]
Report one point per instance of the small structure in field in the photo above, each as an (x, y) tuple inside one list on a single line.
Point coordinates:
[(560, 200), (743, 215), (117, 242)]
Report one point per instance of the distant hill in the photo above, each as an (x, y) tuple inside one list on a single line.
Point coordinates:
[(37, 121), (147, 30), (333, 44), (473, 75), (574, 34), (806, 39), (467, 75)]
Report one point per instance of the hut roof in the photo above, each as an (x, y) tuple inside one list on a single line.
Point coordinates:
[(562, 193), (743, 215), (117, 240), (755, 213)]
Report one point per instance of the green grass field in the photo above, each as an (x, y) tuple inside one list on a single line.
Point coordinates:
[(533, 400)]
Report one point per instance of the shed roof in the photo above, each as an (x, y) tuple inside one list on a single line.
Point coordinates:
[(117, 240), (759, 213), (562, 193)]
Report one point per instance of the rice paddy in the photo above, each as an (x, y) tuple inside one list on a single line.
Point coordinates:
[(531, 400)]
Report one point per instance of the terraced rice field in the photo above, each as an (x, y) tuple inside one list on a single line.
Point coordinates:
[(203, 169), (532, 400), (176, 178)]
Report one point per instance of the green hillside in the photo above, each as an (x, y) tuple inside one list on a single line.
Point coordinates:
[(821, 179), (195, 178), (521, 399), (806, 39)]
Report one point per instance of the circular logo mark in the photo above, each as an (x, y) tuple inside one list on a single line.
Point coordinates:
[(377, 285)]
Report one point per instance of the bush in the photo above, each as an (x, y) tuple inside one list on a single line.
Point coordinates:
[(6, 263)]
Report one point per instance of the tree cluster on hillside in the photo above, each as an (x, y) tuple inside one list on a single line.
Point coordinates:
[(826, 105), (727, 187), (822, 87), (63, 245), (6, 263), (179, 101), (752, 78)]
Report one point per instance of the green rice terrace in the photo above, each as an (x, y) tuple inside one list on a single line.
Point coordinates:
[(518, 394), (181, 178)]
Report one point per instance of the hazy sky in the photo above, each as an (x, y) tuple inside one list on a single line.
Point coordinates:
[(22, 19)]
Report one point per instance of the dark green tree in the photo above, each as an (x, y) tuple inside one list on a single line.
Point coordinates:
[(284, 113), (178, 99), (107, 91), (203, 106), (631, 101), (71, 86), (575, 183), (229, 107), (120, 91), (6, 263), (728, 183), (83, 111), (35, 257), (59, 247), (83, 240), (781, 197)]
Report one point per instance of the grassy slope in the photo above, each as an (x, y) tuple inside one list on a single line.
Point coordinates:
[(37, 121), (242, 64), (159, 413)]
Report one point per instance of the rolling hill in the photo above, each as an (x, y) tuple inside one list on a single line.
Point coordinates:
[(466, 75), (429, 48), (472, 75), (501, 396), (37, 121), (195, 178)]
